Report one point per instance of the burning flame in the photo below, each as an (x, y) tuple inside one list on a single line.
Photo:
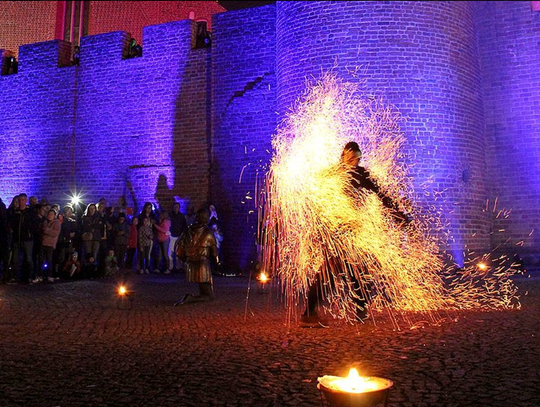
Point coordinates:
[(354, 383), (263, 278), (316, 226), (482, 266), (122, 290)]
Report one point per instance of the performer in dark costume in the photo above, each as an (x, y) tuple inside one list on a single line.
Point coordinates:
[(359, 179)]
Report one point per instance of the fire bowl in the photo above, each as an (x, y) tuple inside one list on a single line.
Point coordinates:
[(375, 393)]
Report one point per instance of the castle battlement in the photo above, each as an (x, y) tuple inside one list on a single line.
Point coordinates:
[(168, 40)]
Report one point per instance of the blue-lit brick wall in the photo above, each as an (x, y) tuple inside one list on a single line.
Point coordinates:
[(244, 118), (509, 43), (142, 122), (194, 125), (36, 112), (422, 57), (110, 126)]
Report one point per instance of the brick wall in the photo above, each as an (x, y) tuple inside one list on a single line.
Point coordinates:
[(509, 39), (26, 22), (36, 112), (132, 16), (140, 124), (244, 118), (194, 125), (422, 58)]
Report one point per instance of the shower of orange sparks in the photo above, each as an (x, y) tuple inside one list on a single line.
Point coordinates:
[(315, 223)]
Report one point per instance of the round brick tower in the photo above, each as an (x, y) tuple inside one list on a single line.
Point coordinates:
[(420, 57)]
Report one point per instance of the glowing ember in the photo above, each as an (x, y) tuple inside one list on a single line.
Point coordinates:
[(317, 224), (122, 290), (354, 383), (482, 266), (263, 278)]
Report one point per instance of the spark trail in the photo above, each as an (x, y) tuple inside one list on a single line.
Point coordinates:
[(315, 222)]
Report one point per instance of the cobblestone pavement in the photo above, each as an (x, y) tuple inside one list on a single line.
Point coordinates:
[(73, 344)]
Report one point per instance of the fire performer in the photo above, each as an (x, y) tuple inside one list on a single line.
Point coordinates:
[(360, 181)]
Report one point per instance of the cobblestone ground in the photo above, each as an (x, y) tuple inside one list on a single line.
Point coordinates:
[(73, 344)]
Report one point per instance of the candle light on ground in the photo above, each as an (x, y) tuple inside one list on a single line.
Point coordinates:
[(263, 281)]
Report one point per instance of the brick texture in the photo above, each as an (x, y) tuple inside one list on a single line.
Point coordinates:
[(26, 22), (509, 38), (110, 126), (195, 125), (106, 16), (244, 118), (423, 59)]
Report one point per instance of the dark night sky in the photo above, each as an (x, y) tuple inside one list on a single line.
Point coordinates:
[(236, 5)]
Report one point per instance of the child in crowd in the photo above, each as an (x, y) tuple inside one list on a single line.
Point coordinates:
[(72, 268), (146, 239), (111, 264), (89, 268)]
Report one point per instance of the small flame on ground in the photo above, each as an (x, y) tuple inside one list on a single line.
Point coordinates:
[(354, 383)]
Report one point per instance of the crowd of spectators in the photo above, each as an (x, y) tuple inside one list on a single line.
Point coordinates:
[(39, 242)]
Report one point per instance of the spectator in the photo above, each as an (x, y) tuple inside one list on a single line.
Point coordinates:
[(163, 238), (190, 215), (147, 212), (9, 274), (51, 231), (146, 240), (111, 264), (56, 209), (132, 242), (89, 267), (219, 238), (178, 227), (24, 224), (37, 251), (92, 225), (121, 232), (67, 237), (105, 228), (33, 201), (72, 267), (213, 215)]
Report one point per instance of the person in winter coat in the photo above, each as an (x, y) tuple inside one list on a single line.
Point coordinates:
[(121, 231), (50, 233)]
